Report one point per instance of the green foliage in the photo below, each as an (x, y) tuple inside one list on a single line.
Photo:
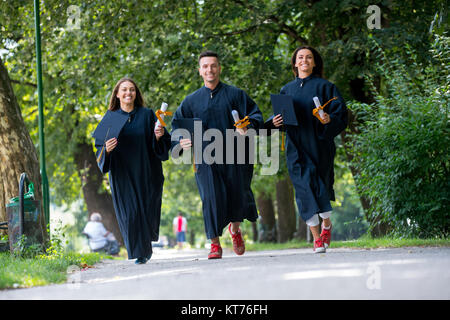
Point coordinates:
[(20, 272), (402, 152), (156, 42), (348, 217)]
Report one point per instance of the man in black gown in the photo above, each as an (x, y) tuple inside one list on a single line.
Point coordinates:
[(224, 187)]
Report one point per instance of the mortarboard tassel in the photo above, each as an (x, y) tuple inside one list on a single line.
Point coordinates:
[(103, 148), (193, 162), (101, 153)]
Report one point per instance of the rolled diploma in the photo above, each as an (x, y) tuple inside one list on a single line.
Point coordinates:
[(235, 115), (163, 109), (317, 103)]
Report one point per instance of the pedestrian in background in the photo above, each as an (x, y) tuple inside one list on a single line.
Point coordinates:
[(180, 229)]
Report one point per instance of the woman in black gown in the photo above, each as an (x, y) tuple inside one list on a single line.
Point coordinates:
[(133, 162), (310, 147)]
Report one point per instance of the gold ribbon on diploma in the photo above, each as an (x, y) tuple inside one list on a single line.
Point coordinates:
[(282, 140), (242, 123), (316, 110), (164, 113)]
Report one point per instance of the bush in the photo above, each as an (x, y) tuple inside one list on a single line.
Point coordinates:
[(403, 150)]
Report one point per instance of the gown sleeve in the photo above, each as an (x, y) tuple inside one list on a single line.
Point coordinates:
[(337, 110), (252, 111), (179, 114), (103, 159)]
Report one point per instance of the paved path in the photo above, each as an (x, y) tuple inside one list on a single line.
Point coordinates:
[(402, 273)]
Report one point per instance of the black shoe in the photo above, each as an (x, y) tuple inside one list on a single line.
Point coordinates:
[(141, 260)]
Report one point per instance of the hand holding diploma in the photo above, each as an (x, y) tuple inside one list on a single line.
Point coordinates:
[(326, 118), (159, 127), (319, 113), (159, 132), (241, 129), (160, 114)]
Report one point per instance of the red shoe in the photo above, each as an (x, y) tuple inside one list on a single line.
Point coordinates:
[(238, 242), (326, 237), (319, 246), (216, 251)]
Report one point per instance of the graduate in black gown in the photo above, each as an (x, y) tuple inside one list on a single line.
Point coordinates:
[(133, 162), (310, 147), (224, 188)]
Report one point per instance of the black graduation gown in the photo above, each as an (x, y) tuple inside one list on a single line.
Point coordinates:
[(224, 188), (136, 179), (310, 147)]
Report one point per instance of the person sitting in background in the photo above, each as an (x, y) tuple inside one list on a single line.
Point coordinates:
[(100, 239)]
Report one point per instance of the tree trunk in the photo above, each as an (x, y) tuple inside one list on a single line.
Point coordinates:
[(192, 238), (286, 210), (255, 231), (302, 230), (17, 151), (266, 210), (96, 197)]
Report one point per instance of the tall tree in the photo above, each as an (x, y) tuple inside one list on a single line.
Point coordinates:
[(17, 151)]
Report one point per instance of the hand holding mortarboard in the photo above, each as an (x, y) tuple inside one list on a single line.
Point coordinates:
[(108, 130), (283, 110)]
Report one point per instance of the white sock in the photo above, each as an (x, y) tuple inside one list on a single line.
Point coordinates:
[(326, 228)]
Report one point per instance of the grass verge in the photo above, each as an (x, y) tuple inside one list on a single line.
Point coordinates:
[(20, 272), (361, 243)]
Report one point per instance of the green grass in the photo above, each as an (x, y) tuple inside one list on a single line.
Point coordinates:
[(361, 243), (18, 272)]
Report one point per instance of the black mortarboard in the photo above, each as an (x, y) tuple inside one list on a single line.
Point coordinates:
[(185, 123), (110, 126), (283, 104)]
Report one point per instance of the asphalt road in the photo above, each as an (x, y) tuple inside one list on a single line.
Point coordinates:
[(294, 274)]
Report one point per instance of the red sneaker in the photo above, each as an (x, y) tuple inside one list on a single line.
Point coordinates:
[(238, 242), (319, 246), (326, 237), (216, 251)]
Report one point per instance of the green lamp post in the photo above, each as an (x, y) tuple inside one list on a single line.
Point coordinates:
[(45, 188)]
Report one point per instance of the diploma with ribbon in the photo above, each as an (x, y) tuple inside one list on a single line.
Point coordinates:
[(318, 110), (161, 113)]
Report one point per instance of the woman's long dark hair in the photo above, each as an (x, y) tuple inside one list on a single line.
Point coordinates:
[(317, 70), (114, 102)]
